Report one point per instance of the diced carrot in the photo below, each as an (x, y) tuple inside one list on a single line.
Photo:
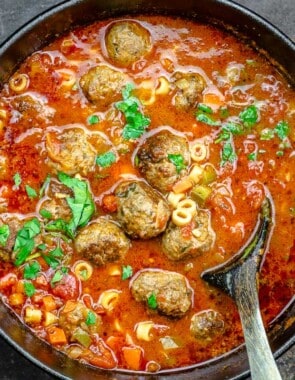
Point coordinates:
[(69, 306), (213, 100), (183, 185), (49, 303), (133, 357), (16, 299), (114, 342), (56, 335)]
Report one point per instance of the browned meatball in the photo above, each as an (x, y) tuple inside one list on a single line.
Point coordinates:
[(102, 241), (189, 88), (70, 151), (127, 42), (180, 243), (102, 85), (14, 224), (154, 162), (32, 107), (73, 322), (173, 295), (142, 212), (56, 201), (206, 325)]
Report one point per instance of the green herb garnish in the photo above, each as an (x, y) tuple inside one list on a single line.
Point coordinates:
[(45, 213), (152, 301), (127, 272), (228, 153), (282, 129), (31, 192), (31, 270), (4, 234), (58, 275), (29, 289), (252, 156), (106, 159), (249, 116), (136, 122), (91, 318), (178, 161), (17, 180), (204, 108), (52, 257), (24, 242), (204, 118), (93, 119), (81, 205)]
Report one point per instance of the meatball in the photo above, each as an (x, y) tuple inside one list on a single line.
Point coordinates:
[(56, 201), (142, 212), (206, 325), (14, 224), (72, 320), (180, 242), (102, 241), (71, 152), (189, 88), (171, 290), (32, 107), (155, 164), (127, 42), (102, 85)]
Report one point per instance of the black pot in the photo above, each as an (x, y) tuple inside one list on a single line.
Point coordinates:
[(69, 14)]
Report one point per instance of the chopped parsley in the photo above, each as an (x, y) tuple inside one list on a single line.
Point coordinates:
[(81, 205), (228, 153), (31, 270), (93, 119), (178, 161), (24, 242), (127, 272), (45, 213), (58, 275), (29, 289), (249, 116), (282, 129), (136, 121), (91, 318), (206, 119), (31, 192), (252, 156), (203, 107), (52, 257), (4, 234), (152, 301), (17, 180), (106, 159)]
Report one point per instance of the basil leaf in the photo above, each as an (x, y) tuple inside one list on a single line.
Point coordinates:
[(91, 318), (31, 192), (52, 257), (17, 180), (58, 275), (31, 270), (249, 116), (127, 272), (178, 161), (4, 234), (152, 301), (24, 242), (29, 289), (106, 159), (81, 205)]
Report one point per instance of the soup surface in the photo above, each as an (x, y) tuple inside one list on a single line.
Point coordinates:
[(134, 155)]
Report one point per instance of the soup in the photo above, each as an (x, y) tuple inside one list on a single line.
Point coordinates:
[(135, 154)]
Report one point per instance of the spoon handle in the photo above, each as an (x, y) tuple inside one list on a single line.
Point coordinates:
[(261, 360)]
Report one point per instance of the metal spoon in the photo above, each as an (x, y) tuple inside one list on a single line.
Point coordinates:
[(238, 278)]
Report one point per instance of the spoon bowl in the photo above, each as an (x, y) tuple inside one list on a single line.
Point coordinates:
[(238, 277)]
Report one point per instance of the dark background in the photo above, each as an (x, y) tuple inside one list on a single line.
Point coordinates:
[(14, 13)]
